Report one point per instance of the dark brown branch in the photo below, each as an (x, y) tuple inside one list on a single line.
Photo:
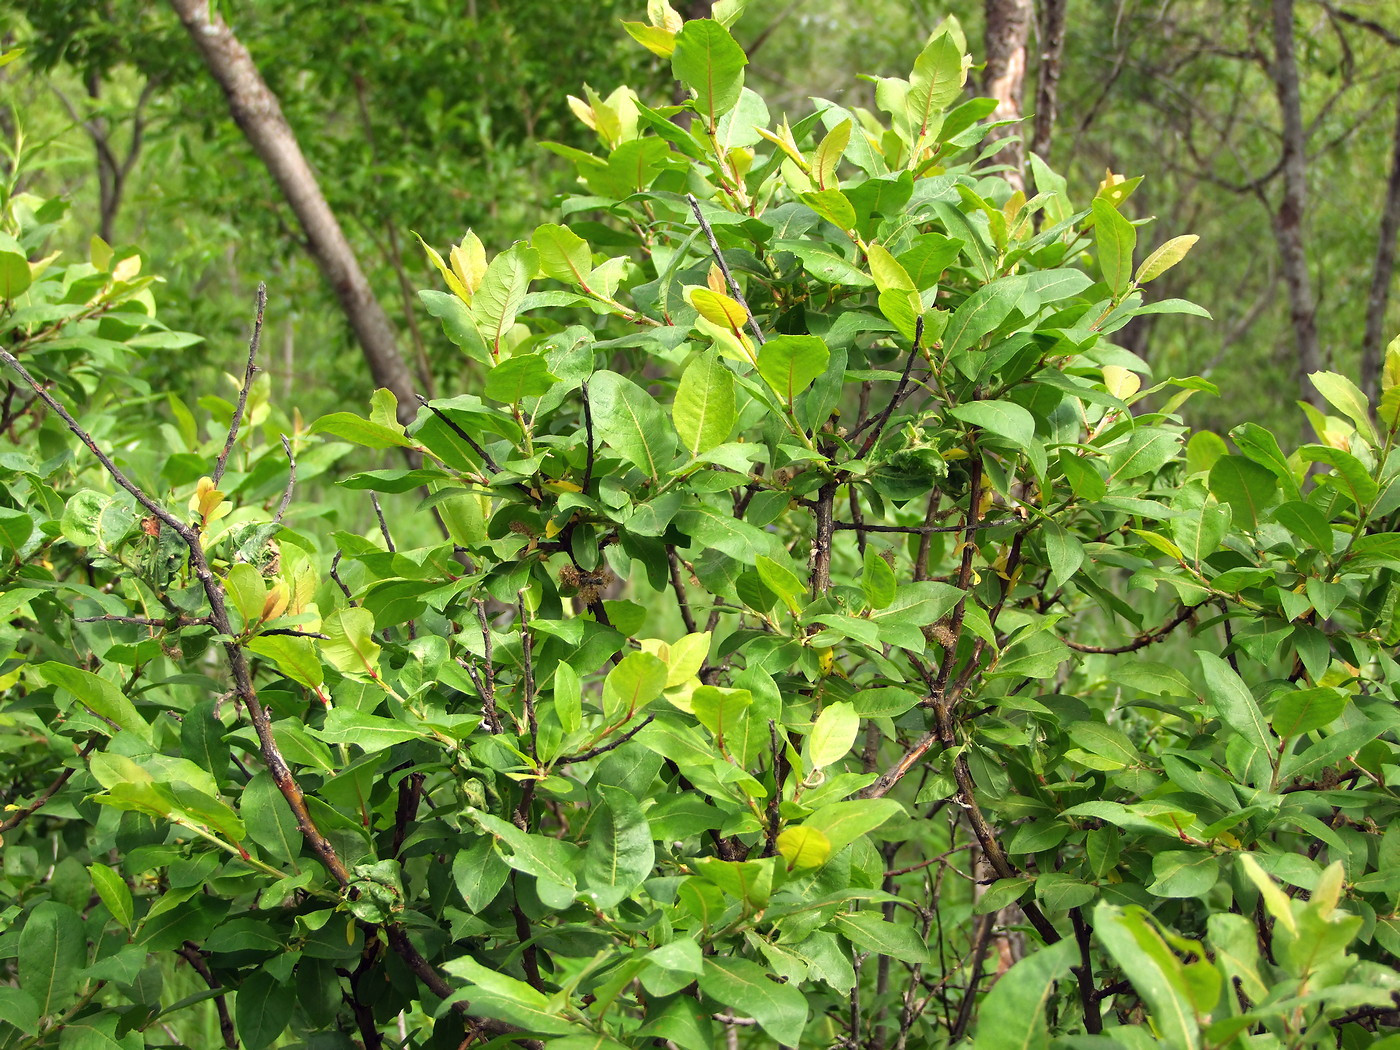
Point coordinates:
[(486, 460), (248, 373), (899, 391), (821, 541), (1084, 973), (603, 749), (1142, 640), (23, 813), (724, 267), (488, 694), (335, 575), (678, 586), (189, 951)]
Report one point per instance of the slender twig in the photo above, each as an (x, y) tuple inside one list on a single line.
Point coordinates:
[(588, 436), (489, 717), (724, 267), (1142, 640), (924, 530), (486, 459), (982, 938), (527, 645), (291, 481), (248, 373), (145, 621), (335, 575), (889, 408), (189, 951), (821, 542), (770, 842), (383, 525), (678, 586), (20, 815), (292, 632), (603, 749), (885, 781), (488, 694)]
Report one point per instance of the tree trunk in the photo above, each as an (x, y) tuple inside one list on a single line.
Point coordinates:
[(1008, 27), (257, 112), (1050, 25), (1288, 219), (1373, 342)]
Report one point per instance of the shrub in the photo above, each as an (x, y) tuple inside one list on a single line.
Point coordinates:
[(785, 664)]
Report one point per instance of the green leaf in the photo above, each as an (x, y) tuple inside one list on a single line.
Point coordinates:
[(833, 735), (781, 580), (789, 364), (1064, 551), (479, 873), (519, 377), (718, 709), (866, 929), (263, 1009), (351, 648), (568, 698), (269, 820), (1247, 486), (1157, 975), (15, 527), (630, 420), (803, 847), (1344, 395), (1233, 702), (115, 894), (98, 695), (877, 580), (1164, 257), (202, 739), (345, 725), (52, 948), (844, 822), (349, 427), (1013, 1013), (981, 312), (1003, 418), (635, 682), (833, 206), (1355, 480), (935, 82), (563, 254), (1184, 873), (704, 412), (711, 64), (1304, 710), (619, 854), (295, 657), (15, 275), (747, 989), (1115, 237), (502, 290)]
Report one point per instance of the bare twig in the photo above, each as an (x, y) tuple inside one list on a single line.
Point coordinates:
[(291, 481), (383, 525), (486, 459), (335, 575), (724, 267), (248, 373), (603, 749), (899, 391), (678, 586), (1142, 640)]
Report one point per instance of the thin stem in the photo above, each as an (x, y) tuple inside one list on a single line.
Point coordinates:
[(248, 373), (724, 267)]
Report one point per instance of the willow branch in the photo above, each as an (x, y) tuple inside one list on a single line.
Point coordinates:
[(248, 374)]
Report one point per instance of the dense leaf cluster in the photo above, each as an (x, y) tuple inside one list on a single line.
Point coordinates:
[(826, 616)]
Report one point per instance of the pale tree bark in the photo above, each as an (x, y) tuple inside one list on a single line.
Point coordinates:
[(258, 113), (1292, 209), (1382, 273), (1008, 28), (1050, 28)]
